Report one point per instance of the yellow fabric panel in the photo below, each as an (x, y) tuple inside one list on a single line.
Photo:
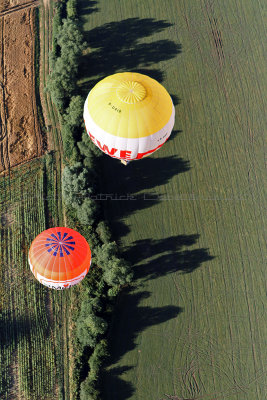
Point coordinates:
[(129, 105)]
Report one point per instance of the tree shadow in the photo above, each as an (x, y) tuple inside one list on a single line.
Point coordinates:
[(137, 319), (175, 259), (118, 388), (131, 320), (158, 258), (12, 331), (86, 7), (148, 248), (147, 173), (118, 46), (120, 209), (122, 186)]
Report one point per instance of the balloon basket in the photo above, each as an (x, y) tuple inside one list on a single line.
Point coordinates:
[(124, 162)]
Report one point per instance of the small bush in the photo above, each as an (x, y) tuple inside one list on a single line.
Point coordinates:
[(96, 358), (74, 112), (72, 9), (103, 232), (88, 391), (86, 211), (75, 185)]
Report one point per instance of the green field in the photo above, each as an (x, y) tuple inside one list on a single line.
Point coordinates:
[(33, 324), (27, 325), (194, 324)]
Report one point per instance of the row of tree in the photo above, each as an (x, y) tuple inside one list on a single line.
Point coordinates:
[(109, 273)]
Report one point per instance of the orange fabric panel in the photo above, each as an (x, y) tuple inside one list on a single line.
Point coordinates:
[(60, 254)]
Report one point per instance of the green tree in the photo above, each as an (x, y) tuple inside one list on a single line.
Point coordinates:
[(61, 81), (75, 183), (70, 40), (89, 328), (74, 113), (86, 212), (89, 150), (103, 231), (68, 141), (96, 358), (117, 273), (88, 390), (72, 9)]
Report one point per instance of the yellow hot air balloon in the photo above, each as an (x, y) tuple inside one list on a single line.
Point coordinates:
[(128, 115)]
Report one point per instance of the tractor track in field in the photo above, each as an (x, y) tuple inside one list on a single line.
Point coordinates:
[(218, 42), (217, 37), (19, 7), (216, 32), (236, 67)]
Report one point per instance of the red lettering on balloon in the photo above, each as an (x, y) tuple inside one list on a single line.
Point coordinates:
[(125, 153), (92, 137), (106, 149)]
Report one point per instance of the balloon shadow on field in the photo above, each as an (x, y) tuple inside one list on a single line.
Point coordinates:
[(175, 99), (116, 47), (174, 134), (154, 259)]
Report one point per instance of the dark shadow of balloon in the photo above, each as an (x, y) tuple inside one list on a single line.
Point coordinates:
[(175, 99), (174, 134)]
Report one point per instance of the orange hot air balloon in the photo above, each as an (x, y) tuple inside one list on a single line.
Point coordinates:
[(59, 257)]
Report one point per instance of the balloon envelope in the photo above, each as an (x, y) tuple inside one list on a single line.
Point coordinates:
[(59, 257), (129, 115)]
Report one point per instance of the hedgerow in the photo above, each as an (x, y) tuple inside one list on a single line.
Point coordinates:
[(109, 273)]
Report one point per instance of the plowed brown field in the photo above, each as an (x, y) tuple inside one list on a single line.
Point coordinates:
[(20, 136)]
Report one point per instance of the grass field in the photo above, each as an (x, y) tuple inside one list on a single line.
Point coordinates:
[(193, 326)]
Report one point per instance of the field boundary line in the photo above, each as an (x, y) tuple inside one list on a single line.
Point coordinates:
[(31, 4)]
